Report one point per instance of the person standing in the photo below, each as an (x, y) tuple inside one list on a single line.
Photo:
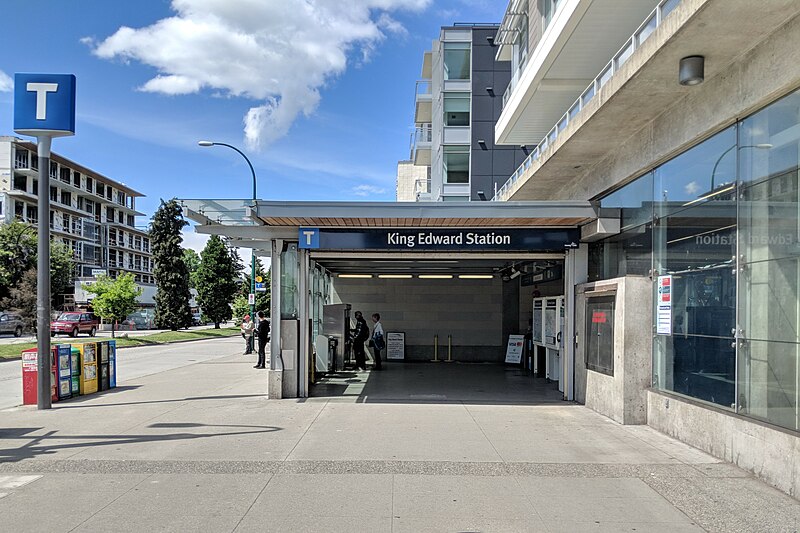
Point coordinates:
[(378, 340), (360, 336), (263, 337), (247, 329)]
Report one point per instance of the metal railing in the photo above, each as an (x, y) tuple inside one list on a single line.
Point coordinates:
[(653, 21)]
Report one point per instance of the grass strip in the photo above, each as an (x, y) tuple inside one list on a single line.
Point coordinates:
[(13, 351)]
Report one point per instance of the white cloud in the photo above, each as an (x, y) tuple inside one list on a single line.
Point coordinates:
[(692, 188), (6, 83), (367, 190), (279, 52)]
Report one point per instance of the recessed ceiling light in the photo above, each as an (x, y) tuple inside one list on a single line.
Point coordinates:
[(355, 276), (395, 276), (475, 276), (435, 276)]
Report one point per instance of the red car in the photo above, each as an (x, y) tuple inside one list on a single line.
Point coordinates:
[(74, 323)]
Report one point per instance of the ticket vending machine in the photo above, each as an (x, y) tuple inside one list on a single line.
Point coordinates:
[(553, 337)]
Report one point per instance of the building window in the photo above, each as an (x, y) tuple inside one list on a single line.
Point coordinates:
[(100, 189), (694, 240), (456, 164), (456, 109), (600, 334), (768, 153), (20, 183), (521, 45), (456, 61), (548, 10), (89, 184), (130, 221), (66, 198), (76, 179)]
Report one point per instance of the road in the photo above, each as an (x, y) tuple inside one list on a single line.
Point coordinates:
[(132, 363)]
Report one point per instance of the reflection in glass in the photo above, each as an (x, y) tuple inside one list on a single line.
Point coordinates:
[(456, 109), (626, 254), (705, 172), (696, 246), (768, 387), (634, 199), (290, 274), (456, 61)]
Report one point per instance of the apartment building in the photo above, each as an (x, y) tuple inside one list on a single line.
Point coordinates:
[(680, 119), (457, 103), (413, 181), (92, 214)]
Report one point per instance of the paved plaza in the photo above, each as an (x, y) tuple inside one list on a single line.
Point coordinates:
[(199, 447)]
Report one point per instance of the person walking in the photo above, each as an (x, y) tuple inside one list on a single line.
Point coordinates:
[(247, 329), (377, 341), (263, 337), (360, 336)]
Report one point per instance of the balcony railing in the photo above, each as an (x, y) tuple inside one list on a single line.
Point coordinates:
[(423, 87), (653, 21)]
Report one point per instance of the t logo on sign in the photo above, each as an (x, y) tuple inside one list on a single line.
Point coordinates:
[(44, 104), (308, 238)]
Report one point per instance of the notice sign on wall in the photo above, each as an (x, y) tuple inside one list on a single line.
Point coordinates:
[(664, 306), (395, 345), (514, 348)]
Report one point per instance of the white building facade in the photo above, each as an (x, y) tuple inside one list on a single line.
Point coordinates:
[(92, 214)]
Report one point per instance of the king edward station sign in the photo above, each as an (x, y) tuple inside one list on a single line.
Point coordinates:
[(439, 239)]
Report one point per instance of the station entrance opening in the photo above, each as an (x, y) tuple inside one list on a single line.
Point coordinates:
[(475, 299), (457, 326)]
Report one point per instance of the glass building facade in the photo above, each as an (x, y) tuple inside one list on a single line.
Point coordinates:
[(721, 222)]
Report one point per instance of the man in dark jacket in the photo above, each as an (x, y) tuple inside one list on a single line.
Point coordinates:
[(360, 336), (263, 336)]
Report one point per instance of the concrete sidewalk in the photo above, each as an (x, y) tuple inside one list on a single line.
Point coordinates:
[(201, 448)]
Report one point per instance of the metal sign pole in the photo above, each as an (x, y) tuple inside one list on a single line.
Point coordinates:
[(44, 107), (43, 276)]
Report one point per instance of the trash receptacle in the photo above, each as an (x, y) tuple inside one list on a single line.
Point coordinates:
[(30, 377)]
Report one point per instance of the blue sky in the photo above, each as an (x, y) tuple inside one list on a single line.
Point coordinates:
[(320, 129)]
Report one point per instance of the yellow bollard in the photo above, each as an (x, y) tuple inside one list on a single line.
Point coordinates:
[(435, 349)]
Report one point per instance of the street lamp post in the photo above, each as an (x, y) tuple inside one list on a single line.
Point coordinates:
[(253, 256), (763, 146)]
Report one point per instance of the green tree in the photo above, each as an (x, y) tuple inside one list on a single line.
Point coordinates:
[(263, 299), (217, 281), (171, 274), (240, 306), (17, 254), (114, 299), (18, 262), (192, 260)]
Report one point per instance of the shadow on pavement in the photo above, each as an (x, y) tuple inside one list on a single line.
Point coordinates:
[(172, 400), (38, 444)]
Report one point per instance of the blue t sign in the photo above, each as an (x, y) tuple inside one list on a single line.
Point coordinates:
[(309, 238), (44, 104)]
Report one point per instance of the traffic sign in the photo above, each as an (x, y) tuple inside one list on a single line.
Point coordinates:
[(258, 279), (251, 299), (261, 287)]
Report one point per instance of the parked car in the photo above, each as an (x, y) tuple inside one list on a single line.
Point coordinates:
[(75, 323), (11, 323)]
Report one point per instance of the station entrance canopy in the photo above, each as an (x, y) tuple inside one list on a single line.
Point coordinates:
[(395, 226)]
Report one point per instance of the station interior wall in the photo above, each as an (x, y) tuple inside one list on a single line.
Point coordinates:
[(479, 314), (471, 311)]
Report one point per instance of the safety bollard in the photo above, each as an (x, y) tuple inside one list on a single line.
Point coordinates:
[(435, 349), (449, 349)]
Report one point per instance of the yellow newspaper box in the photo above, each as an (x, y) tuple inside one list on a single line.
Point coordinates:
[(88, 378)]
